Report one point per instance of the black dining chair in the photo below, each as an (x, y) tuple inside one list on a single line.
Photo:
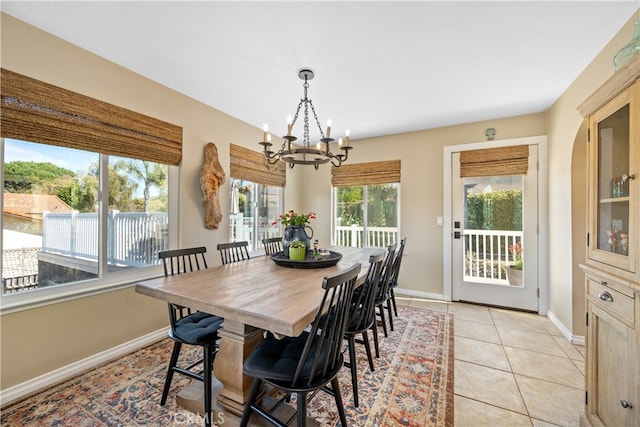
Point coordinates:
[(362, 316), (395, 272), (308, 362), (272, 245), (233, 252), (382, 295), (190, 327)]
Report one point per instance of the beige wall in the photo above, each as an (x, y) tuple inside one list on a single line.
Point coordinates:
[(421, 155), (563, 125), (40, 340), (69, 331), (579, 227)]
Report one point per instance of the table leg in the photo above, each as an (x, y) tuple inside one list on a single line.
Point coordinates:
[(237, 342)]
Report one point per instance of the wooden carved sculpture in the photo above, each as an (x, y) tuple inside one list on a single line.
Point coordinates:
[(212, 176)]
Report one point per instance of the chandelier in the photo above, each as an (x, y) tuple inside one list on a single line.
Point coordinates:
[(306, 154)]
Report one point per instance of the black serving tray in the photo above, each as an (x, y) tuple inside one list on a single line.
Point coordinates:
[(283, 260)]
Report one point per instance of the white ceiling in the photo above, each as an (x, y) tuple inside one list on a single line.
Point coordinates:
[(380, 67)]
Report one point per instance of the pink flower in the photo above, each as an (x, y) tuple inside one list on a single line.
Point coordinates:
[(295, 219)]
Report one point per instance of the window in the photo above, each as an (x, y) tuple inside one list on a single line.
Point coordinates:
[(255, 196), (366, 216), (252, 211), (53, 216), (366, 204), (89, 192)]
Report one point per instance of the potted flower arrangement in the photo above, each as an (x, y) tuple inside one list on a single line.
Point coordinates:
[(297, 250), (295, 219), (296, 225), (514, 271)]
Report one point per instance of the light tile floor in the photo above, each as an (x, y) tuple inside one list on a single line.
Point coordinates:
[(511, 368)]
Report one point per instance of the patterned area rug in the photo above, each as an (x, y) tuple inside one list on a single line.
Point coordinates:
[(412, 385)]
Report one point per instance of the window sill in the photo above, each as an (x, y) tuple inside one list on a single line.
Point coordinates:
[(29, 299)]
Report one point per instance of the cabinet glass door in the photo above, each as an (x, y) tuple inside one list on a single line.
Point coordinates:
[(613, 224), (613, 184)]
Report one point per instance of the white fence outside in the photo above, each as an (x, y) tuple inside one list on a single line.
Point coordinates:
[(134, 238), (487, 254), (241, 229), (354, 236)]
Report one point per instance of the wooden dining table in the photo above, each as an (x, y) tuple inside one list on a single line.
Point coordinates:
[(253, 296)]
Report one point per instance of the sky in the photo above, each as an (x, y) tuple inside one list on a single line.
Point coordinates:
[(74, 160), (77, 161)]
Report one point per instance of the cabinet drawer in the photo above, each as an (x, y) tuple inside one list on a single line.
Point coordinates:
[(615, 302)]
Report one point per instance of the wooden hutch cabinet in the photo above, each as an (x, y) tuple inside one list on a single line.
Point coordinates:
[(613, 252)]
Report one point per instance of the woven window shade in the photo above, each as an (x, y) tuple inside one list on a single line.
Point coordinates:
[(385, 172), (39, 112), (513, 160), (252, 166)]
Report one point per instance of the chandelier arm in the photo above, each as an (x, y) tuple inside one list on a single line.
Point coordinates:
[(339, 161)]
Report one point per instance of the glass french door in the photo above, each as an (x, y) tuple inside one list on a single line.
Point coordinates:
[(494, 237)]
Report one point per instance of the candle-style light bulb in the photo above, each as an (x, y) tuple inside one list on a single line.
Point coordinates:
[(289, 125), (265, 130), (328, 133), (346, 137), (340, 142)]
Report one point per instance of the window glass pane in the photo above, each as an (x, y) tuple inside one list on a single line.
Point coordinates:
[(244, 218), (374, 223), (349, 216), (382, 215), (50, 224), (493, 229), (241, 210), (269, 210), (138, 220)]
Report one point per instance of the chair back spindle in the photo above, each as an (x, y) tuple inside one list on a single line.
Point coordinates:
[(233, 252), (272, 245)]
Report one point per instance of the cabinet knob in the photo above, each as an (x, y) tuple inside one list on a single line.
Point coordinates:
[(626, 177), (626, 405), (605, 296)]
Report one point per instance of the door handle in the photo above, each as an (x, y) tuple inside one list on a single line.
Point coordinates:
[(457, 234)]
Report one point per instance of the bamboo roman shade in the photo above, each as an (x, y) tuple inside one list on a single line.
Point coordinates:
[(39, 112), (384, 172), (513, 160), (252, 166)]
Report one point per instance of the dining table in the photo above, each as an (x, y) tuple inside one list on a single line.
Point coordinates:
[(253, 296)]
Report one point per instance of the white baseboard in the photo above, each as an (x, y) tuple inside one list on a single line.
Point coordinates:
[(59, 375), (573, 339), (418, 294)]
